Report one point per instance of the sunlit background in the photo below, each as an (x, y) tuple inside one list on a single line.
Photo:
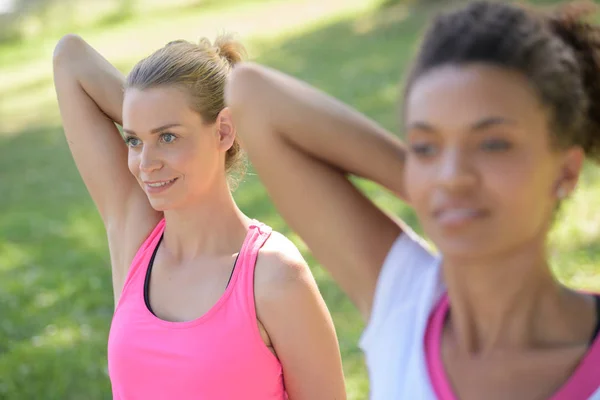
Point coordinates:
[(55, 286)]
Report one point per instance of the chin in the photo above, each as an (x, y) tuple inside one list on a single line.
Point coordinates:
[(466, 247), (161, 205), (477, 249), (463, 252)]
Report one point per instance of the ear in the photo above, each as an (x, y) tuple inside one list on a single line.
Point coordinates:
[(225, 130), (570, 168)]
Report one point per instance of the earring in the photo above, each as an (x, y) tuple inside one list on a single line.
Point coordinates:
[(561, 193)]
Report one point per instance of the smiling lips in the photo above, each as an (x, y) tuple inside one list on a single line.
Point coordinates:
[(158, 186), (457, 216)]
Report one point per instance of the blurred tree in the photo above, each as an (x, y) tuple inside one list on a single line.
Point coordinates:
[(392, 3), (125, 8), (23, 18), (23, 15)]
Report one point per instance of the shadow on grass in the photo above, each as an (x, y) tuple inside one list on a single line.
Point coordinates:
[(28, 86), (55, 286), (358, 61)]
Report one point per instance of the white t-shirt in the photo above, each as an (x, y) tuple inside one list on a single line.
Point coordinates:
[(408, 289)]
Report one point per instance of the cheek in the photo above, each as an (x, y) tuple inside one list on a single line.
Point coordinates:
[(184, 159), (133, 163), (525, 190), (418, 184), (507, 177), (190, 161), (524, 178), (204, 156)]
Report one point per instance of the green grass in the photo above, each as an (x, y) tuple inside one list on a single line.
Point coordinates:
[(55, 286)]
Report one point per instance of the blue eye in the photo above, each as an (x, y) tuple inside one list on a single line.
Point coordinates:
[(132, 141), (168, 137), (496, 145)]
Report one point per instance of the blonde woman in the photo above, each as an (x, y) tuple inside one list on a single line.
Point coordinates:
[(209, 303)]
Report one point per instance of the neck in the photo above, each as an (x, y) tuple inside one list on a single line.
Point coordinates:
[(507, 301), (213, 225)]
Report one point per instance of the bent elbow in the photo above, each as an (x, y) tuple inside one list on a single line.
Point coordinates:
[(243, 87), (67, 48)]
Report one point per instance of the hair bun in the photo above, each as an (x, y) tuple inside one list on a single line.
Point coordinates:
[(568, 23), (227, 47)]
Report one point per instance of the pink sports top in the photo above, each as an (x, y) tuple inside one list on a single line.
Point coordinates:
[(219, 355), (582, 385)]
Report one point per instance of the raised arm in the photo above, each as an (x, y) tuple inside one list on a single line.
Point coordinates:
[(300, 328), (303, 145), (90, 98)]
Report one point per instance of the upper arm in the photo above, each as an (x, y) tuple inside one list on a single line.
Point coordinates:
[(96, 145), (93, 138), (345, 231), (298, 323)]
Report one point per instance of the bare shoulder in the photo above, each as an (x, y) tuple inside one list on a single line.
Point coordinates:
[(280, 265), (297, 322)]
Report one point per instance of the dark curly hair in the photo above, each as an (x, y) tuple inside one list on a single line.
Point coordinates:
[(557, 50)]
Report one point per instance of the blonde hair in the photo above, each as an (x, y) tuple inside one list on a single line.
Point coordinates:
[(201, 70)]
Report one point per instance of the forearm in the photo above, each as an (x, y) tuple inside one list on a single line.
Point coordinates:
[(99, 79), (318, 125)]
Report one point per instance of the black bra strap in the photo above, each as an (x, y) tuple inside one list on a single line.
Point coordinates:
[(597, 330), (147, 279), (232, 269), (149, 270)]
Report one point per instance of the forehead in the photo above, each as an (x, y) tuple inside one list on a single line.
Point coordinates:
[(148, 108), (457, 96)]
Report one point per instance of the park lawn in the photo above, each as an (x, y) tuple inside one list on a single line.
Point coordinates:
[(55, 287)]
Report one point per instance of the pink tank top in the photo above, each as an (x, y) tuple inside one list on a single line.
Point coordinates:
[(220, 355), (583, 384)]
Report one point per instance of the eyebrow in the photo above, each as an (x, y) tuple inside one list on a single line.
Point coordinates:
[(476, 127), (155, 130)]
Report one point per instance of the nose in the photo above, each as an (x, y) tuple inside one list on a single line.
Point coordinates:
[(456, 172), (149, 160)]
